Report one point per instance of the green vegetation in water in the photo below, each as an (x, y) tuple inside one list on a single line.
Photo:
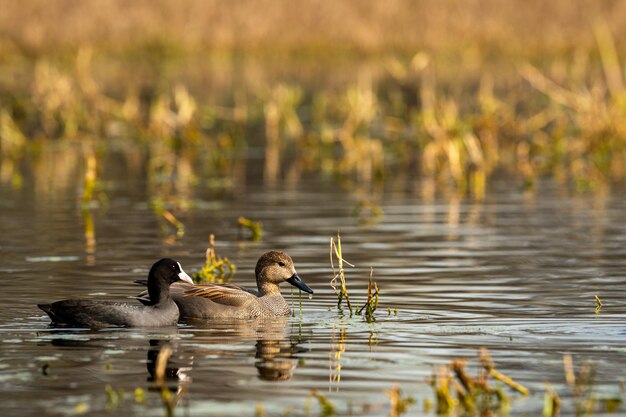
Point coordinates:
[(255, 228), (140, 395), (216, 268), (81, 408), (327, 408), (457, 393), (581, 384), (158, 206), (372, 298), (342, 291), (115, 397), (399, 404), (598, 304), (338, 283), (474, 396), (551, 402)]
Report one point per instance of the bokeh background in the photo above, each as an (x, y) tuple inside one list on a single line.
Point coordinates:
[(448, 92)]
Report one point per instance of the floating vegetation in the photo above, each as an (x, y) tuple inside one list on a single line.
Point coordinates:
[(598, 304), (327, 409), (216, 268), (399, 404), (255, 228), (389, 311), (457, 392), (115, 397), (140, 395), (81, 408), (158, 206)]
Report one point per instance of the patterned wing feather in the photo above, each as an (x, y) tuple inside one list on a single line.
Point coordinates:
[(227, 294)]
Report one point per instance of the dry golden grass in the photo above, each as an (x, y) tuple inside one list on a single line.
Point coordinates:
[(366, 90), (517, 27)]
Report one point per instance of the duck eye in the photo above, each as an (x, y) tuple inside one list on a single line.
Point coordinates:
[(281, 263)]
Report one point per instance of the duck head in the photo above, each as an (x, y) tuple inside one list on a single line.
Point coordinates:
[(169, 271), (275, 267)]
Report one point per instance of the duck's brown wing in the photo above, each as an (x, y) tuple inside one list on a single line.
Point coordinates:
[(226, 294)]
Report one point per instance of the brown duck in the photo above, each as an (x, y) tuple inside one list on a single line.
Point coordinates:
[(230, 301)]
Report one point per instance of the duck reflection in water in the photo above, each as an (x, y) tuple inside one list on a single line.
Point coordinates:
[(170, 367), (168, 372), (276, 349), (275, 359)]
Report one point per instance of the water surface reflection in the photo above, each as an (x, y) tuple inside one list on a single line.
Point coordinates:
[(515, 272)]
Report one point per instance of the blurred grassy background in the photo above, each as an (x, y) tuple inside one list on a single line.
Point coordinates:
[(516, 28), (450, 92)]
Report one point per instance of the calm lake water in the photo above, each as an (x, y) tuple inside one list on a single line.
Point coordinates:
[(516, 273)]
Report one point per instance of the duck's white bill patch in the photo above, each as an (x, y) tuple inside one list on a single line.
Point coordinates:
[(183, 275)]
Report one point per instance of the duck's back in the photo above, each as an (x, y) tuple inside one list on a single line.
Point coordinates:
[(226, 301), (94, 314)]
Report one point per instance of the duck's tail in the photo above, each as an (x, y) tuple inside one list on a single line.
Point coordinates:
[(50, 312)]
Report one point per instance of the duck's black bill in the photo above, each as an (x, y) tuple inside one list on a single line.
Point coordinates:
[(296, 281)]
